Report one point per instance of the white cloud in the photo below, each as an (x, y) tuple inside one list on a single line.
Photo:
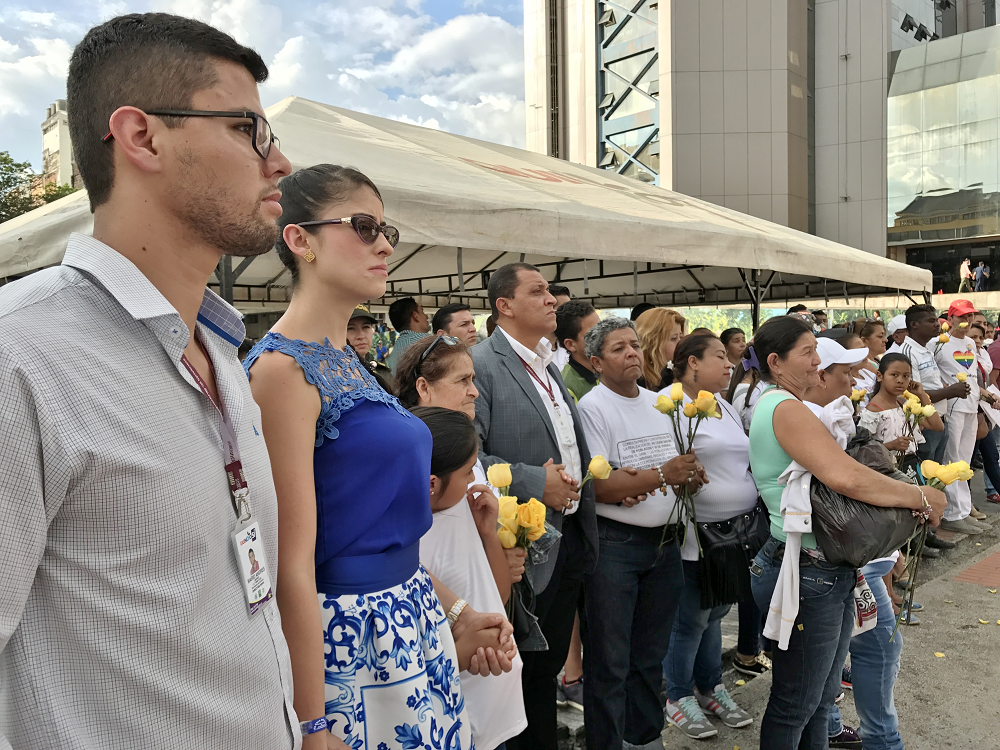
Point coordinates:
[(37, 19), (389, 58)]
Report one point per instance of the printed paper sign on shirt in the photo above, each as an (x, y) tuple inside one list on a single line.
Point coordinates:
[(646, 452)]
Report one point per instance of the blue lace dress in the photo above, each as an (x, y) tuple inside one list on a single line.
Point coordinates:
[(392, 679)]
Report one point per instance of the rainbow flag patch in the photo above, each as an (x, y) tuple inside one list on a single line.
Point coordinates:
[(965, 359)]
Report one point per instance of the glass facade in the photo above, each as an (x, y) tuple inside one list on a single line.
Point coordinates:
[(944, 140), (628, 118)]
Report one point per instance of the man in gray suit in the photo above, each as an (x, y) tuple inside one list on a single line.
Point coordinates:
[(527, 418)]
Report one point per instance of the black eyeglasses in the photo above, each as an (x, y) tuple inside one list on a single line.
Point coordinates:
[(441, 338), (367, 227), (261, 136)]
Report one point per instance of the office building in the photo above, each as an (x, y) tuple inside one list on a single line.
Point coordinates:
[(58, 164)]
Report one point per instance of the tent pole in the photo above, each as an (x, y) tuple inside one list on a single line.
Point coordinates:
[(226, 278), (755, 299), (461, 276)]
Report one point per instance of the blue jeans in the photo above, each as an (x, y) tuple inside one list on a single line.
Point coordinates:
[(933, 446), (990, 454), (694, 659), (874, 666), (806, 677), (630, 597)]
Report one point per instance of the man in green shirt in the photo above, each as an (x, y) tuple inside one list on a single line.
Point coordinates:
[(573, 320)]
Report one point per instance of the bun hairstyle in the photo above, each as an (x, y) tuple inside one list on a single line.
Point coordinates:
[(307, 193)]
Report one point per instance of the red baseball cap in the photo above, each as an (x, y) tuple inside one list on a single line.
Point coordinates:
[(961, 307)]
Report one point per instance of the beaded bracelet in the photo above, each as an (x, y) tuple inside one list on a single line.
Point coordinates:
[(663, 482), (924, 514)]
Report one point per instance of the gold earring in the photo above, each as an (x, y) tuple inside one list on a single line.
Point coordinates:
[(309, 256)]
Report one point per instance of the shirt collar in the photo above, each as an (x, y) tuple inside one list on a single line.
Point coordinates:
[(583, 372), (915, 344), (133, 291), (542, 355)]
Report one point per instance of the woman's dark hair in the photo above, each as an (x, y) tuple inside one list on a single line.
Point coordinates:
[(455, 439), (305, 194), (435, 366), (849, 341), (729, 333), (883, 365), (778, 336), (868, 329), (690, 346), (980, 326)]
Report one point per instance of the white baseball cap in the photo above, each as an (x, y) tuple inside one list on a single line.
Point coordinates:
[(831, 353), (896, 324)]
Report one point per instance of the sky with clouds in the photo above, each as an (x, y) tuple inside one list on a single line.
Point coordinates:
[(454, 65)]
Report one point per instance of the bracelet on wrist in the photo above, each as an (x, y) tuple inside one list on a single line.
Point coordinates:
[(663, 482), (925, 511), (314, 726), (456, 610)]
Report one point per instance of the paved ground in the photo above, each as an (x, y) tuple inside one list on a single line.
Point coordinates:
[(943, 701)]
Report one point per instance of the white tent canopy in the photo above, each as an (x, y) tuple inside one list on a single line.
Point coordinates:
[(465, 207)]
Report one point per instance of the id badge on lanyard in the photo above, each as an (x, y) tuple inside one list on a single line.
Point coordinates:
[(561, 421), (248, 542)]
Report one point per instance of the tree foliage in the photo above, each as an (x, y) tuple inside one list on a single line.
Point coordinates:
[(16, 195)]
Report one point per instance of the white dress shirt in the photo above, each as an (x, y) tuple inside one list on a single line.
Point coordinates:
[(539, 360)]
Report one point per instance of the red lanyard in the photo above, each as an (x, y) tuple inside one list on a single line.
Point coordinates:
[(238, 486), (547, 387)]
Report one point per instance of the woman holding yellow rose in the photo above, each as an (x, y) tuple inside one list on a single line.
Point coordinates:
[(718, 576), (463, 551), (633, 592)]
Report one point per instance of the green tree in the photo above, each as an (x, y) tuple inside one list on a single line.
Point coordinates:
[(54, 192), (15, 187)]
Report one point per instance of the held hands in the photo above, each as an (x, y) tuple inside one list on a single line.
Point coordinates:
[(485, 508), (484, 642), (630, 502), (515, 561), (684, 470), (560, 489)]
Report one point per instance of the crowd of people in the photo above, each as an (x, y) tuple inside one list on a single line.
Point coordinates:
[(306, 549)]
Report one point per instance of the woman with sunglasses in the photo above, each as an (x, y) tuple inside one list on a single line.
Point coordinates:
[(373, 657)]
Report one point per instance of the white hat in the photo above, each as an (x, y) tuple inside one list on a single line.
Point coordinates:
[(896, 324), (831, 353)]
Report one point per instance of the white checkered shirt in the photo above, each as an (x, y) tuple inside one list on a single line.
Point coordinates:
[(123, 623)]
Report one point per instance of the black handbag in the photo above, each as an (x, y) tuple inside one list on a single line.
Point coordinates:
[(727, 549), (850, 532)]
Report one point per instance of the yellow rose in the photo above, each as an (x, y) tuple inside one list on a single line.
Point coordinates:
[(909, 396), (930, 469), (705, 404), (908, 407), (965, 472), (929, 410), (508, 507), (499, 475), (677, 392), (524, 516), (944, 338), (963, 325), (665, 404), (537, 513), (857, 394), (507, 538), (600, 467), (706, 394), (690, 410), (945, 326), (961, 377), (947, 474)]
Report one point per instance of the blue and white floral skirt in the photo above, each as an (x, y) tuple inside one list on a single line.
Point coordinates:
[(392, 671)]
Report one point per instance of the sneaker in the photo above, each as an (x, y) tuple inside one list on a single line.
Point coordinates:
[(994, 498), (916, 607), (687, 716), (757, 667), (962, 527), (911, 619), (839, 698), (929, 552), (721, 703), (933, 540), (571, 693), (848, 738), (981, 525), (977, 514), (845, 679)]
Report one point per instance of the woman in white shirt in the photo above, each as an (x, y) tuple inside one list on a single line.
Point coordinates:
[(637, 581), (714, 582)]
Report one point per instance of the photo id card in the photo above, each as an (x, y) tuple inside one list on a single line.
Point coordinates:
[(252, 564)]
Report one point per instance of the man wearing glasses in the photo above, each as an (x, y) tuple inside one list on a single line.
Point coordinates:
[(133, 451)]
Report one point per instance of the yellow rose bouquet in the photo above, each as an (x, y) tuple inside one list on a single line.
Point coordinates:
[(914, 412), (702, 407), (937, 476)]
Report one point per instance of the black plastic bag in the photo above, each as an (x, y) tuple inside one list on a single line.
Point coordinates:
[(853, 533)]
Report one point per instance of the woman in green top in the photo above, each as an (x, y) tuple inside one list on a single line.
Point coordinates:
[(806, 677)]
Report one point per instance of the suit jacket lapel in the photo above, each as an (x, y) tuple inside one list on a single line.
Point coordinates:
[(516, 367)]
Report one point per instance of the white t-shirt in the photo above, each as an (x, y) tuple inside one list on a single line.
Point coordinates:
[(724, 450), (955, 356), (866, 381), (453, 552), (630, 432), (924, 369), (739, 399)]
